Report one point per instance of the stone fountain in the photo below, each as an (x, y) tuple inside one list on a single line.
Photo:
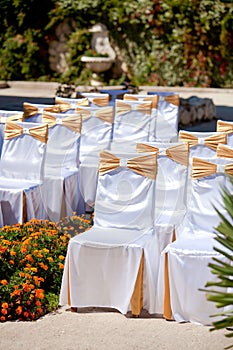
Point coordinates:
[(103, 54)]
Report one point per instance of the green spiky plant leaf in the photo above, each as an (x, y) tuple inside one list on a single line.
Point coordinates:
[(223, 270)]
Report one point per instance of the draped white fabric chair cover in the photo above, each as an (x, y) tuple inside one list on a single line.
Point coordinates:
[(227, 127), (154, 110), (60, 190), (167, 117), (102, 264), (170, 199), (22, 172), (132, 120), (10, 116), (189, 256), (33, 111), (96, 136)]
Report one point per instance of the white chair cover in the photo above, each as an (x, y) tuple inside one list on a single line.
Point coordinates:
[(167, 118), (132, 121), (154, 110), (102, 264), (171, 181), (10, 116), (190, 254), (60, 188), (96, 99), (96, 136), (227, 127), (21, 172)]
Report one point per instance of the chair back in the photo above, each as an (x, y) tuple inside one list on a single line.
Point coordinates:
[(171, 181), (63, 141), (125, 190), (132, 120), (23, 151), (96, 129), (5, 116), (208, 180)]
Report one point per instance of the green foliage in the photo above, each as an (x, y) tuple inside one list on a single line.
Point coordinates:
[(223, 295), (171, 42)]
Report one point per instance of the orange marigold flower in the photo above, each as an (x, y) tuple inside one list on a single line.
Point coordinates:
[(2, 318), (4, 311), (21, 274), (26, 314), (40, 310), (38, 303), (61, 257), (11, 262), (23, 249), (4, 305), (50, 259), (39, 293), (12, 253), (4, 282), (43, 266), (61, 266), (19, 310)]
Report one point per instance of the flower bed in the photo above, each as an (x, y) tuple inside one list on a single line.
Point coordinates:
[(31, 266)]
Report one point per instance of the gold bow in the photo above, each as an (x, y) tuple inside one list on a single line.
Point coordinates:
[(12, 118), (73, 122), (14, 130), (201, 168), (211, 141), (30, 110), (178, 153), (105, 113), (153, 98), (223, 126), (66, 106), (173, 99), (144, 165), (224, 151), (122, 107)]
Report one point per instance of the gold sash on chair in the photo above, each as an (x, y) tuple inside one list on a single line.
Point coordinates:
[(153, 98), (14, 130), (145, 165), (105, 113), (211, 141), (224, 151), (173, 99), (223, 126), (85, 102), (31, 111), (12, 118), (201, 168), (123, 107), (72, 122), (178, 153)]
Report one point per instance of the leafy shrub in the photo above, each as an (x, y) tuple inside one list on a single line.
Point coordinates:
[(32, 261)]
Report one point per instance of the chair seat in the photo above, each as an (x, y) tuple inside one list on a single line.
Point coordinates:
[(17, 184), (100, 236)]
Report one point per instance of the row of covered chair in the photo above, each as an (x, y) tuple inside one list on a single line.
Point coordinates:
[(146, 194), (97, 118)]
